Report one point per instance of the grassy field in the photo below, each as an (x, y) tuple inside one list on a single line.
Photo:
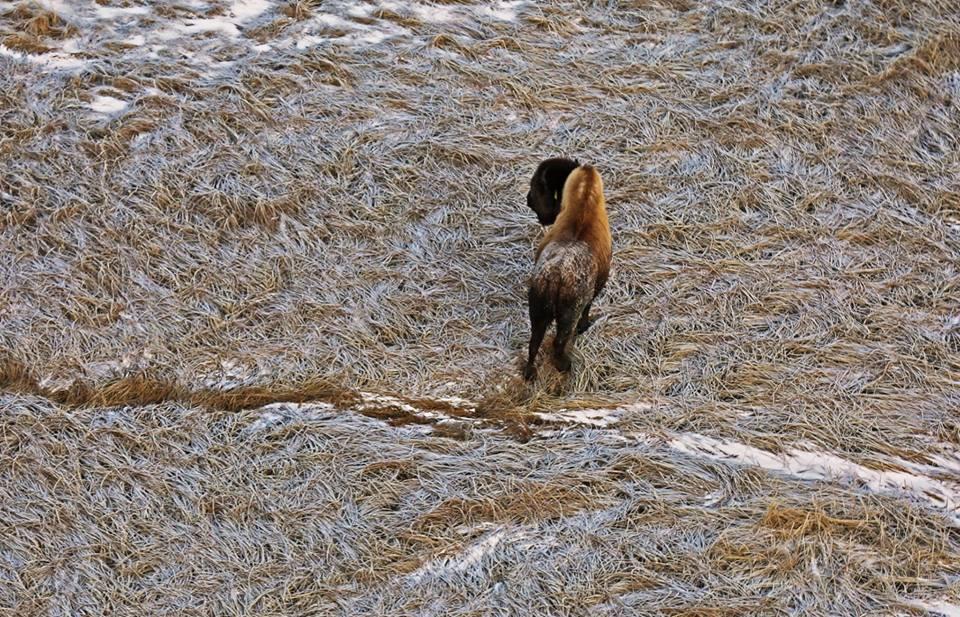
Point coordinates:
[(262, 309)]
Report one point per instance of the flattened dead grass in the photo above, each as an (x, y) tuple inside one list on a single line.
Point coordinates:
[(251, 227), (33, 19), (26, 43), (298, 510)]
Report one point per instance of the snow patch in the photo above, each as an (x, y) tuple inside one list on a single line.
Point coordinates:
[(468, 557), (379, 401), (820, 465), (600, 417), (433, 14), (54, 59), (59, 60), (588, 417), (456, 401), (937, 606), (359, 11), (356, 33), (70, 46), (245, 10), (107, 104), (9, 53), (113, 12), (332, 21), (57, 6), (310, 41), (369, 400), (370, 37), (210, 24), (390, 5), (950, 461), (276, 414), (504, 11)]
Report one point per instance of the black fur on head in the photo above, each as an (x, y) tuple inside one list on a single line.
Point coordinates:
[(546, 188)]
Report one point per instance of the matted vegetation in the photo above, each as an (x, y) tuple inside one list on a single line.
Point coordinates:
[(312, 511), (207, 207)]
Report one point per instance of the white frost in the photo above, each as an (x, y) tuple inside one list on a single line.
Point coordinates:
[(56, 383), (232, 372)]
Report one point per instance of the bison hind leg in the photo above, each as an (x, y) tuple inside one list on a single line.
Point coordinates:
[(563, 343), (540, 318), (585, 322)]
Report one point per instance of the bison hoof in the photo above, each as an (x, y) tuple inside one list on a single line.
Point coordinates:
[(529, 373)]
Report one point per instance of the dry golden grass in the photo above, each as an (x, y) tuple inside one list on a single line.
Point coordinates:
[(25, 43), (257, 227), (33, 19), (176, 508)]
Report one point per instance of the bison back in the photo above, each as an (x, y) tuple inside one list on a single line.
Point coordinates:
[(564, 277)]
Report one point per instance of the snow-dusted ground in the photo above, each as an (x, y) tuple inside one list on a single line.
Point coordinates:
[(197, 28), (937, 485), (393, 503)]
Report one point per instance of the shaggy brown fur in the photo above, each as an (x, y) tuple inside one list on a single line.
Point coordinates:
[(572, 266)]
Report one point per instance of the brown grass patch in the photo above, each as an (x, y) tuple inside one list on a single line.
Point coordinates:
[(36, 21), (524, 504), (299, 10), (26, 43), (15, 376), (790, 522)]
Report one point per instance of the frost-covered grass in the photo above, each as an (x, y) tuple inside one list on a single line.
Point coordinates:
[(262, 280), (313, 509)]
